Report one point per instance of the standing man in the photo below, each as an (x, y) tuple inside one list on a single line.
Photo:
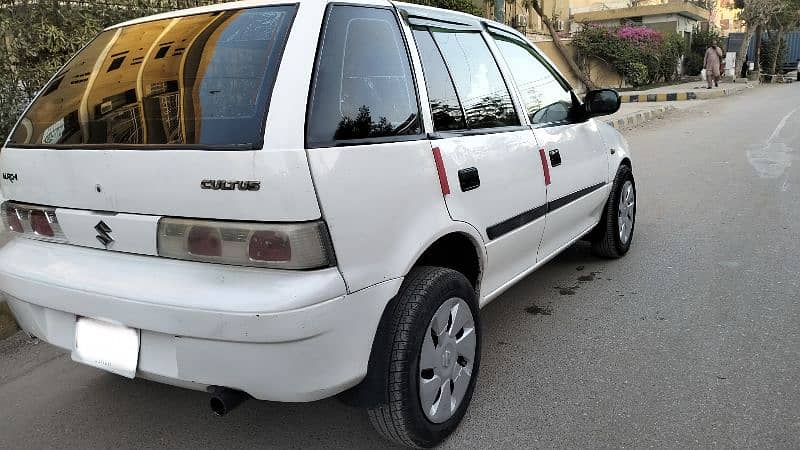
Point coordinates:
[(711, 63)]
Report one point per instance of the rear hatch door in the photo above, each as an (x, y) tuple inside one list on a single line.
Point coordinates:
[(164, 118)]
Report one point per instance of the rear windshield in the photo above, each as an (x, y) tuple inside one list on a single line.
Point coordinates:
[(200, 81)]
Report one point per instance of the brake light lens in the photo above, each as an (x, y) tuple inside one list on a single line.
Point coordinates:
[(270, 246), (40, 225), (280, 245), (37, 222), (204, 241)]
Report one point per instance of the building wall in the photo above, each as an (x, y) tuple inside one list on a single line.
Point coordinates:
[(600, 73), (726, 18), (665, 23)]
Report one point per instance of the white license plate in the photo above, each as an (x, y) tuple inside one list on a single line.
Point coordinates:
[(107, 346)]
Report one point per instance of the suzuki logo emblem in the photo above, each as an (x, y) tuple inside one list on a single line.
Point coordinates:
[(104, 234)]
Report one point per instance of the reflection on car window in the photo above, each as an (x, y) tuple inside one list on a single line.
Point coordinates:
[(445, 106), (201, 79), (363, 86), (545, 99), (478, 81)]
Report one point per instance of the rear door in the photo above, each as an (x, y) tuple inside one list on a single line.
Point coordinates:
[(572, 151), (167, 117), (494, 176)]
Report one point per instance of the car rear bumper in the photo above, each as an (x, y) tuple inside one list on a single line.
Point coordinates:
[(277, 335)]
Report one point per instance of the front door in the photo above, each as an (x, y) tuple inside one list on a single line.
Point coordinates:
[(570, 151), (493, 174)]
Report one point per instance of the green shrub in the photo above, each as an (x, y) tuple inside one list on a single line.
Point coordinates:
[(672, 49), (693, 64), (641, 55), (637, 73)]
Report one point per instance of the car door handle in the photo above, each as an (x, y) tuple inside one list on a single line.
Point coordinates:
[(555, 158), (469, 179)]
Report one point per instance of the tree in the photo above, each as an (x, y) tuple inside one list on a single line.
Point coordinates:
[(787, 17), (754, 13), (537, 6)]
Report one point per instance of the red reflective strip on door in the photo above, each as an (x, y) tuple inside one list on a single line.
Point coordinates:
[(437, 156), (545, 167)]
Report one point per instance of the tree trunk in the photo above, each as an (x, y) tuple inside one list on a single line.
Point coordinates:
[(561, 48), (773, 66), (741, 55), (500, 11), (757, 62)]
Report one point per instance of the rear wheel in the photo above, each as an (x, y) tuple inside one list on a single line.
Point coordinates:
[(434, 356), (613, 235)]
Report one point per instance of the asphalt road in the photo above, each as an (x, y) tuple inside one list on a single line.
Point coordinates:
[(692, 340)]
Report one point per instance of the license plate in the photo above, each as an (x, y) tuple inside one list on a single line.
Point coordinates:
[(107, 346)]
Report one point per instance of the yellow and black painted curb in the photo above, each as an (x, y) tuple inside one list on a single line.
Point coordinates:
[(701, 94), (662, 97)]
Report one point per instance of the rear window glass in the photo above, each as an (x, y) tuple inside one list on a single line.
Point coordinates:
[(199, 80), (363, 87)]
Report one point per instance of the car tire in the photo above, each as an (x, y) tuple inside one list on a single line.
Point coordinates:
[(613, 235), (432, 301)]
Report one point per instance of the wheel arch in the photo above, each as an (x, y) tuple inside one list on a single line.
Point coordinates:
[(459, 248)]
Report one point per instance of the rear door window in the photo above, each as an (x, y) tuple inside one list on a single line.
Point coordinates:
[(445, 106), (201, 81), (483, 93), (363, 87)]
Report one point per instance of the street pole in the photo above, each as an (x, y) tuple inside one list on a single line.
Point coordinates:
[(500, 11)]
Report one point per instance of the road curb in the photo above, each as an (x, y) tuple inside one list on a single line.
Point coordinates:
[(8, 325), (638, 118), (701, 94)]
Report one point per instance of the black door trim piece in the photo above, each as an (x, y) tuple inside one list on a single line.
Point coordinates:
[(559, 202), (509, 225), (520, 220)]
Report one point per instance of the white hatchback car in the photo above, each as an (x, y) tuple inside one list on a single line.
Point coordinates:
[(292, 201)]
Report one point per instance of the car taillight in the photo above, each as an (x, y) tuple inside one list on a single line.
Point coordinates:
[(37, 222), (204, 241), (270, 246), (273, 245), (11, 219)]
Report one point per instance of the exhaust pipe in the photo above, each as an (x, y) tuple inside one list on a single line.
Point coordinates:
[(225, 400)]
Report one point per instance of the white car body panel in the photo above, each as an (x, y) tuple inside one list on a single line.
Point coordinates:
[(377, 241), (584, 165), (289, 335), (165, 182)]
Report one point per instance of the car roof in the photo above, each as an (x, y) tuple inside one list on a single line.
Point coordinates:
[(439, 14), (239, 5)]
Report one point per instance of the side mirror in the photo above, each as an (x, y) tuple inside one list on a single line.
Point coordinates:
[(602, 102)]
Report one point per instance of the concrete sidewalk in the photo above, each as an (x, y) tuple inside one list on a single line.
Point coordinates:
[(694, 90)]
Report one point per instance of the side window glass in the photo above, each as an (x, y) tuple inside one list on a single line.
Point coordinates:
[(480, 86), (545, 99), (445, 105), (363, 87)]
